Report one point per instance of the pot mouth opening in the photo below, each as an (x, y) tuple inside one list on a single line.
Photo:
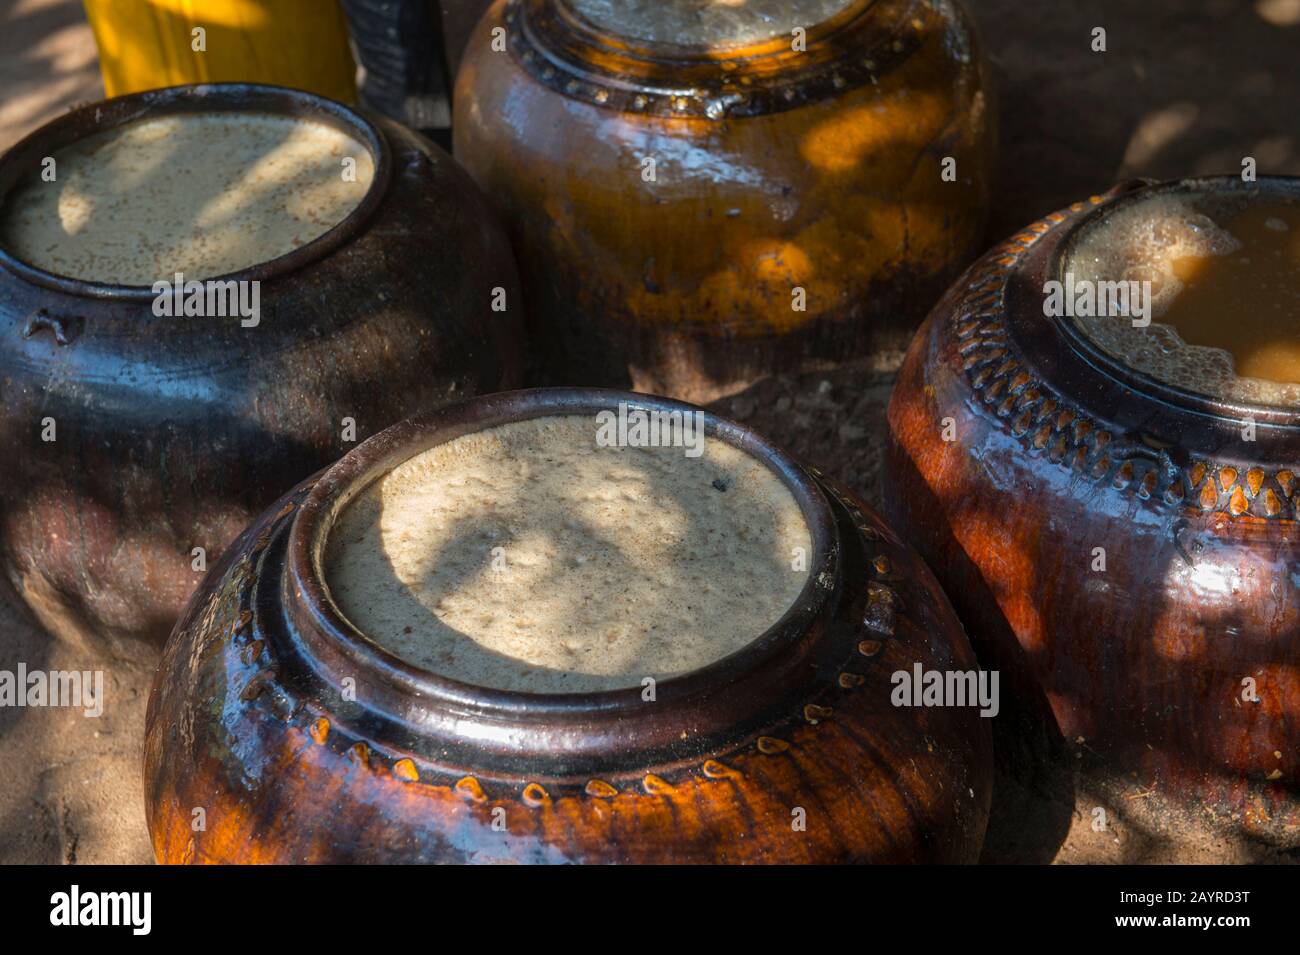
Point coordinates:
[(664, 69), (709, 29), (25, 160), (1183, 290), (337, 644)]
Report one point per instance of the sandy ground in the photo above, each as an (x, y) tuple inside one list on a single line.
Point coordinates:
[(47, 63), (71, 789), (1186, 86)]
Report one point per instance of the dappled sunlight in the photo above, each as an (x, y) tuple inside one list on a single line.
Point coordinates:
[(202, 195), (1187, 644), (50, 63), (1157, 130), (1172, 670), (1009, 569), (1279, 13), (528, 557), (1254, 737), (780, 264), (893, 128), (1007, 561), (720, 25), (1220, 629), (149, 44), (95, 170), (1224, 273), (301, 171), (1246, 301), (1272, 361), (758, 284)]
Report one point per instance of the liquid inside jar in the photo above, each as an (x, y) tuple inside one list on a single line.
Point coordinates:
[(1224, 274), (530, 557), (200, 194), (702, 23)]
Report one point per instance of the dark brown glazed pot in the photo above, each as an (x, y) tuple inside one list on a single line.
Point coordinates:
[(775, 170), (1058, 449), (172, 433), (248, 722)]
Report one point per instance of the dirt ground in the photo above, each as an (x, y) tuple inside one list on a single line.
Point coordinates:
[(1185, 87)]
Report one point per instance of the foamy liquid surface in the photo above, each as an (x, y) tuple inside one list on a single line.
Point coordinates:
[(706, 22), (1225, 292), (525, 557), (201, 194)]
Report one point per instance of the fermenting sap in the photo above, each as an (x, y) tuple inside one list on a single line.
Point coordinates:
[(527, 557), (200, 194)]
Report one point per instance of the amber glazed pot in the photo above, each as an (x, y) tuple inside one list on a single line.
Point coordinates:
[(172, 433), (1056, 449), (692, 214), (248, 719)]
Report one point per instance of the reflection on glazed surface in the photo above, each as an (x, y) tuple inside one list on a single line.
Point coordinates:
[(1225, 289), (526, 557), (204, 195), (1124, 561), (681, 283), (706, 22)]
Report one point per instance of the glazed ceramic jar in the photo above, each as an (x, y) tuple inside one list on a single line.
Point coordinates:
[(702, 193), (304, 739), (1111, 505), (137, 443)]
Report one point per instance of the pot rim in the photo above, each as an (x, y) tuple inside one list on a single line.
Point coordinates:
[(868, 39), (337, 648), (597, 37), (1141, 382), (104, 115)]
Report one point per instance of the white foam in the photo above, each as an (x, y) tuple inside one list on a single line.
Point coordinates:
[(1142, 241), (614, 564), (706, 22), (202, 194)]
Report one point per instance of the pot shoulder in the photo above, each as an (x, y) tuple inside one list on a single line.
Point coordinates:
[(836, 773)]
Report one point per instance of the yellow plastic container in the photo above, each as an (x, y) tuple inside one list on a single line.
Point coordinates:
[(147, 44)]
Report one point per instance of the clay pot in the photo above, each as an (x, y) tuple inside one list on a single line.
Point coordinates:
[(1113, 545), (249, 719), (170, 434), (691, 217)]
